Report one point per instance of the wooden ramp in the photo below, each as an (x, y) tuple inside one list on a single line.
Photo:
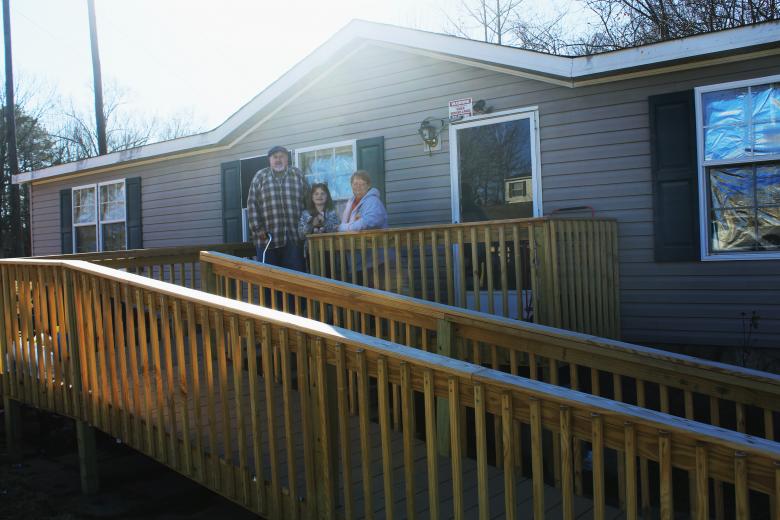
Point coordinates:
[(212, 427)]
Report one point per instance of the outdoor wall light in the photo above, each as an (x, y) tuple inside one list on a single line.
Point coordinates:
[(429, 131)]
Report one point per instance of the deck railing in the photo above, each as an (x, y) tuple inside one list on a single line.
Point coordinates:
[(700, 390), (553, 271), (177, 265), (187, 378)]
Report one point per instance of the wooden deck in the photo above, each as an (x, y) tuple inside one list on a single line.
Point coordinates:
[(200, 424), (293, 418)]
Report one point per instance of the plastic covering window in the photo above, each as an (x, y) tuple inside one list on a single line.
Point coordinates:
[(745, 207), (741, 138), (331, 165), (741, 123)]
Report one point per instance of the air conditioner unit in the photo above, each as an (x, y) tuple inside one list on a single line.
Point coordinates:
[(518, 189)]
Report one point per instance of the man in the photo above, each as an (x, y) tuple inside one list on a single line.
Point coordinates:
[(276, 200)]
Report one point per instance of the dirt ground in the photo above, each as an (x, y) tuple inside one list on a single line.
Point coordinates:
[(45, 483)]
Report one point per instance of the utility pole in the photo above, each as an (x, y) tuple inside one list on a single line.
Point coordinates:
[(100, 117), (15, 225)]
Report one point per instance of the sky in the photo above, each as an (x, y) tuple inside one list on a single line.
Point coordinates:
[(197, 57)]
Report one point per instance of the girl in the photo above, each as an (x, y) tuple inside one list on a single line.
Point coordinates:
[(320, 214)]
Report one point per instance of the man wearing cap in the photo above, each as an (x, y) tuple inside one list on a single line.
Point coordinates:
[(275, 203)]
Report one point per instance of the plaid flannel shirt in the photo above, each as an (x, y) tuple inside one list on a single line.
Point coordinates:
[(275, 203)]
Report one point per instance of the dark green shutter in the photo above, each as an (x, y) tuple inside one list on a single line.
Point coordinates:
[(371, 157), (231, 202), (135, 234), (66, 221), (674, 175)]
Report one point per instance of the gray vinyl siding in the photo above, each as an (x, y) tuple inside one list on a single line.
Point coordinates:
[(594, 151)]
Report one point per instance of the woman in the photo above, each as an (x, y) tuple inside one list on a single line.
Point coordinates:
[(320, 213), (364, 209)]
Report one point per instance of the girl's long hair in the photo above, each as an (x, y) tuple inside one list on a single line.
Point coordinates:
[(328, 203)]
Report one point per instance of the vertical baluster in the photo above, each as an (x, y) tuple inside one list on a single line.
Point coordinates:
[(456, 451), (266, 347), (37, 335), (489, 269), (388, 259), (423, 265), (170, 389), (110, 355), (702, 488), (61, 341), (597, 442), (192, 340), (448, 268), (644, 470), (121, 352), (516, 247), (408, 433), (89, 307), (208, 356), (510, 448), (45, 333), (342, 262), (384, 431), (665, 475), (158, 370), (617, 385), (741, 486), (567, 467), (630, 458), (398, 263), (435, 263), (145, 370), (284, 354), (717, 485), (302, 358), (237, 351), (476, 281), (254, 409), (537, 468), (365, 443), (461, 267), (353, 260), (481, 447), (431, 447), (344, 438)]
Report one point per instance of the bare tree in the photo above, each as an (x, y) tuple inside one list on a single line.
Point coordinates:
[(628, 23), (76, 137), (613, 24), (492, 18), (34, 151)]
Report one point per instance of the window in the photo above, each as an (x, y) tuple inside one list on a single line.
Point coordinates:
[(739, 169), (332, 164), (99, 217)]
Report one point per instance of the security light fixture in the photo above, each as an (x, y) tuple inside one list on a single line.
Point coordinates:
[(429, 131)]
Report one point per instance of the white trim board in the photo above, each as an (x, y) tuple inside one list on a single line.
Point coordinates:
[(688, 52)]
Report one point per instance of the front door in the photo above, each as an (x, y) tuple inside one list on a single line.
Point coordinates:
[(495, 176)]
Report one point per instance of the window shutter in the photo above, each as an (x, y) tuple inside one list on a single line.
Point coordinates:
[(371, 157), (66, 221), (231, 202), (135, 235), (674, 175)]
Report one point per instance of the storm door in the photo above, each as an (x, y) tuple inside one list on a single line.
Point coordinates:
[(495, 176)]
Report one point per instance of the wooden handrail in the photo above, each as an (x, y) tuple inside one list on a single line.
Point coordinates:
[(747, 386), (136, 356), (134, 383), (554, 271)]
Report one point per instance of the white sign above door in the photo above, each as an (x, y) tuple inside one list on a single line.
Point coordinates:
[(460, 108)]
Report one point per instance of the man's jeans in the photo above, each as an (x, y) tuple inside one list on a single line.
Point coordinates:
[(289, 255)]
